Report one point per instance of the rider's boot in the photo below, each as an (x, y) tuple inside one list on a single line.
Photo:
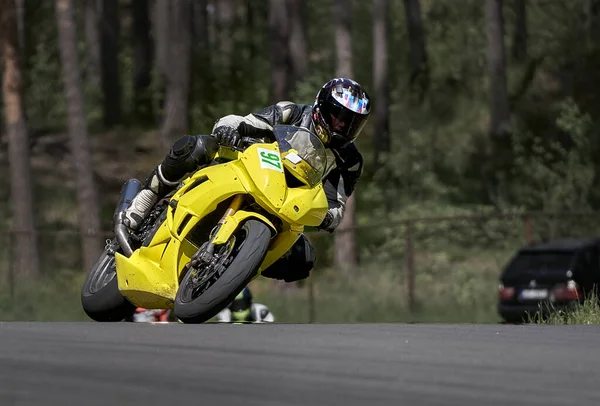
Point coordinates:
[(155, 187), (189, 153)]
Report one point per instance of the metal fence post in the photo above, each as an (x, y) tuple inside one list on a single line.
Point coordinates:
[(410, 266), (11, 265), (528, 228), (311, 300)]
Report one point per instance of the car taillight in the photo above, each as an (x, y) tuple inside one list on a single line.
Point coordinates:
[(570, 291), (506, 292)]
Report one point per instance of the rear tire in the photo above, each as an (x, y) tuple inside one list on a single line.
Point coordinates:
[(100, 296), (246, 258)]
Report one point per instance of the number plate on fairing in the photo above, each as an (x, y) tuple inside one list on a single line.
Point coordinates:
[(270, 159)]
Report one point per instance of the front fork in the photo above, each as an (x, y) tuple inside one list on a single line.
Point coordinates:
[(235, 205)]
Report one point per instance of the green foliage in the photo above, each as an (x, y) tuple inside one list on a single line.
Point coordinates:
[(556, 174), (586, 313)]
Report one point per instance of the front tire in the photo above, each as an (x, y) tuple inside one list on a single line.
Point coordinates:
[(100, 296), (250, 247)]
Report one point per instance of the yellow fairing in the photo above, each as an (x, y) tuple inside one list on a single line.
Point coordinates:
[(232, 223), (269, 186), (150, 277), (305, 206)]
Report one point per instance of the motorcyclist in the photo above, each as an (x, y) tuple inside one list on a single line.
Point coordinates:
[(244, 309), (337, 116)]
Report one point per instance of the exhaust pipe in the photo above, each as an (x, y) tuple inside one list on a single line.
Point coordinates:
[(129, 190)]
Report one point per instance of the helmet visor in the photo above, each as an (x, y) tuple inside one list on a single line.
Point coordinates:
[(344, 124)]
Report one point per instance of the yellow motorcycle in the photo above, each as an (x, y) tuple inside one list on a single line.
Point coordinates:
[(223, 225)]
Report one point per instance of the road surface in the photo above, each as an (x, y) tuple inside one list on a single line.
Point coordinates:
[(284, 364)]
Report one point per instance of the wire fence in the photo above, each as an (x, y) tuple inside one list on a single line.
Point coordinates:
[(434, 268)]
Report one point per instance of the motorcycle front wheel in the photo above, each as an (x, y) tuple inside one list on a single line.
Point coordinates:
[(100, 296), (206, 291)]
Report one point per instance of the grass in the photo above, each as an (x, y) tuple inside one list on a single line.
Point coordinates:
[(446, 291), (587, 312), (367, 295), (48, 299)]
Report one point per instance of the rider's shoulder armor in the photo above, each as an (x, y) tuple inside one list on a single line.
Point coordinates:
[(286, 112)]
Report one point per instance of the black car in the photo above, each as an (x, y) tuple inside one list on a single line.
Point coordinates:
[(559, 273)]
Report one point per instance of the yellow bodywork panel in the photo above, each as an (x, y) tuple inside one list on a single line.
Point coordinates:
[(305, 206), (269, 188), (232, 223), (151, 284)]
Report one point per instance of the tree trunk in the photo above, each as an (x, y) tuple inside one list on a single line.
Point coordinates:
[(88, 208), (161, 36), (298, 43), (345, 247), (142, 61), (92, 38), (519, 48), (201, 22), (109, 52), (212, 23), (592, 21), (21, 25), (278, 38), (175, 122), (201, 29), (257, 14), (25, 250), (380, 78), (419, 68), (225, 16), (251, 17), (343, 39), (202, 52), (499, 107)]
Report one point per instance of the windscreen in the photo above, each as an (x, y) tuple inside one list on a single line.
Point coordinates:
[(308, 147)]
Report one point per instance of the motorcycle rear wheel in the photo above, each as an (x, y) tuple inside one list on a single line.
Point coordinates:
[(100, 296), (250, 247)]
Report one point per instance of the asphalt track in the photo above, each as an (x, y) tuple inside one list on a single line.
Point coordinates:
[(280, 364)]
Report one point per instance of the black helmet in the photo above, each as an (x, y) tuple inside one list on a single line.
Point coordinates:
[(340, 111), (241, 306)]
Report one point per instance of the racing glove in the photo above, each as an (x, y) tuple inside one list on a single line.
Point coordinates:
[(227, 136), (327, 223)]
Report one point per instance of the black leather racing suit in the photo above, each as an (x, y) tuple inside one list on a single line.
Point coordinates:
[(193, 152)]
